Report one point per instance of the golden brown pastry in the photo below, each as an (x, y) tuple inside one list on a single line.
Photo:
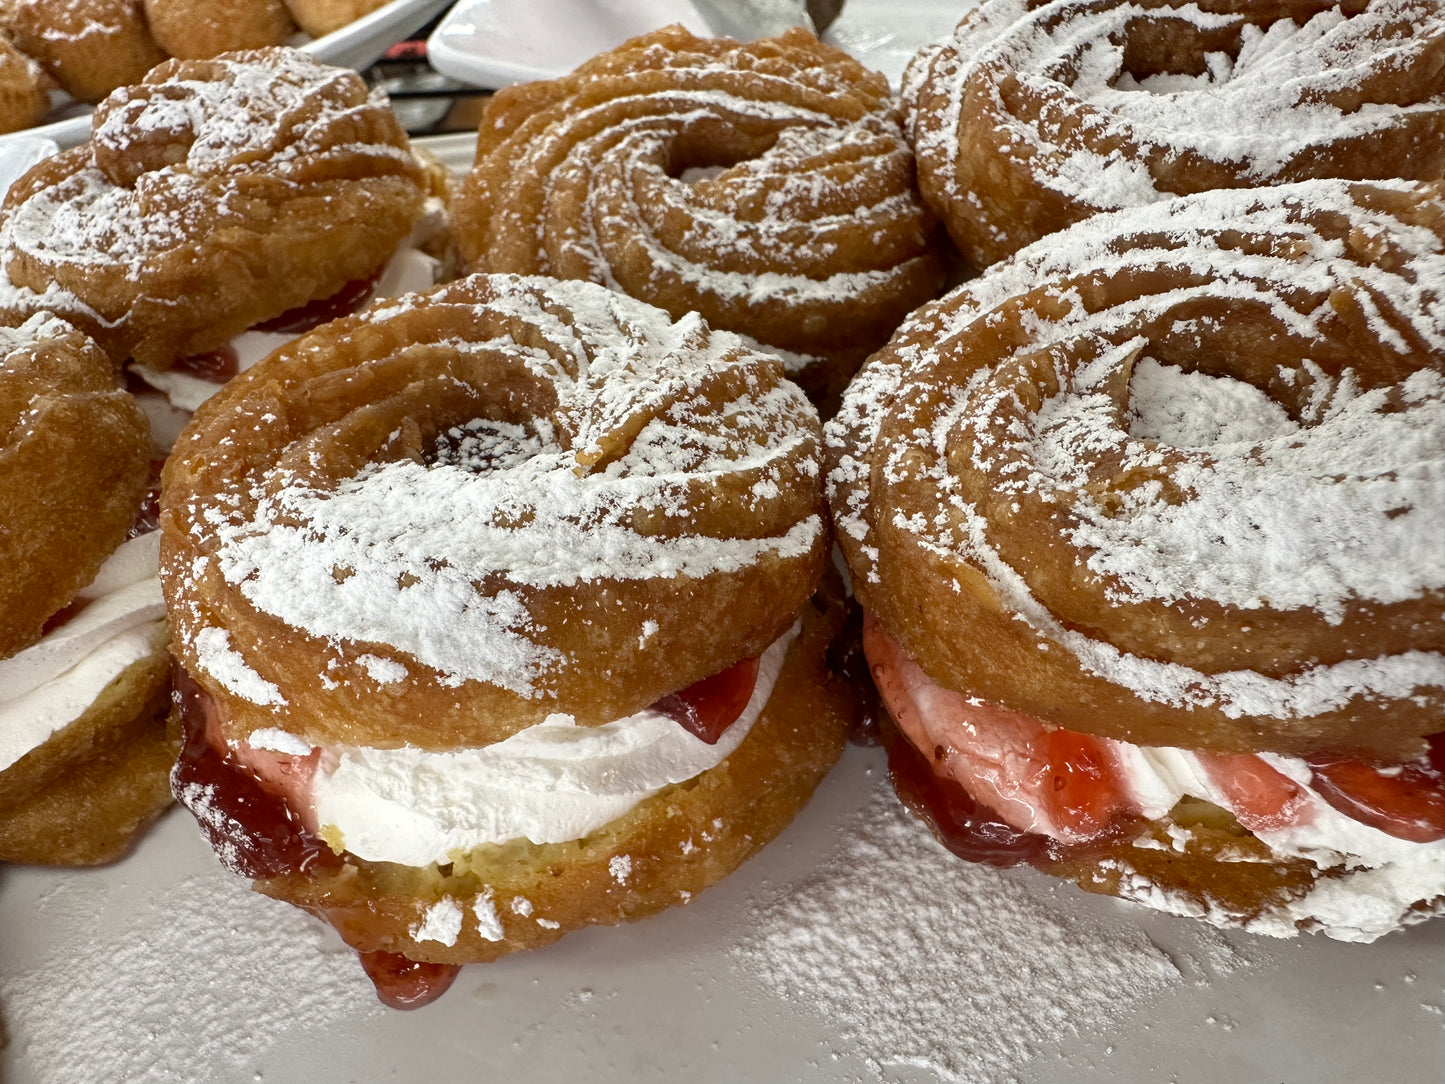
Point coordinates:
[(187, 29), (766, 186), (84, 689), (540, 555), (23, 97), (1146, 523), (1033, 116), (89, 46), (213, 196), (318, 17)]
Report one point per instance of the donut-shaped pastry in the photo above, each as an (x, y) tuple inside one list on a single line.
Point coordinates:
[(84, 691), (187, 29), (319, 17), (487, 523), (1172, 480), (1033, 116), (212, 196), (766, 186), (23, 100), (89, 46)]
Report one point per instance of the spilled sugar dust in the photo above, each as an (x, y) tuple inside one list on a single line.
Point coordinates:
[(157, 1004), (937, 968)]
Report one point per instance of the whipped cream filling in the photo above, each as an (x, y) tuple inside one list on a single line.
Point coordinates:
[(52, 682), (551, 783), (1389, 874)]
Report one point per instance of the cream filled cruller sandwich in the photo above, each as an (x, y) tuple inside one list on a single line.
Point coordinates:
[(493, 611)]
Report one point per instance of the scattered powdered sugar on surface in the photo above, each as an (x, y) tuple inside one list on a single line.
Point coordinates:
[(923, 960), (106, 1010)]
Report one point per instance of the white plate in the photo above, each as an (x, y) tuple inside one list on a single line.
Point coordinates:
[(853, 948), (495, 43), (355, 45)]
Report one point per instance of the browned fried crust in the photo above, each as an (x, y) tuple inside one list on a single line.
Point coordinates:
[(74, 464), (319, 17), (810, 238), (90, 46), (209, 200), (677, 843), (340, 397), (198, 28), (79, 799)]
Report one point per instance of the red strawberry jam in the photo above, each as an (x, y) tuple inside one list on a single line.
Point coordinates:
[(708, 707), (253, 831), (402, 983), (1403, 800), (323, 310)]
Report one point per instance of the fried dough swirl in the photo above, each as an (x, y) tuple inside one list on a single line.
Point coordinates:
[(1033, 116), (1174, 476), (443, 519), (212, 196), (766, 186)]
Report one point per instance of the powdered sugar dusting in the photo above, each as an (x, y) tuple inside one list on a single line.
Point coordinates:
[(110, 1013), (623, 479), (1268, 107), (935, 963), (1337, 501)]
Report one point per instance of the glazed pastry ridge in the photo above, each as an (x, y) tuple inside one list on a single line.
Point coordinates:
[(1033, 116)]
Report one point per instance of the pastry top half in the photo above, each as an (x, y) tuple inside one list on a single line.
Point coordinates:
[(1174, 476), (442, 520)]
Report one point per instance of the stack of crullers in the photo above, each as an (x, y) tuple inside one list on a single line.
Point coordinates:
[(496, 516)]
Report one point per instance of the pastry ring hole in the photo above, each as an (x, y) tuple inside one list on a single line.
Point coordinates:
[(149, 129), (483, 446), (711, 147), (1169, 54)]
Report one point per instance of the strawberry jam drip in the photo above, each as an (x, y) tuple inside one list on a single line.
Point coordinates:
[(216, 366), (325, 309), (1406, 801), (708, 707), (406, 984), (256, 834), (971, 831)]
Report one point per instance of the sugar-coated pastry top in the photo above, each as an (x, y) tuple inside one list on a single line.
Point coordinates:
[(1194, 454), (1035, 115), (213, 195), (766, 185), (507, 498)]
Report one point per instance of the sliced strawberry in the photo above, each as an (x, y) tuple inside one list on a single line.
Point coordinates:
[(406, 984), (1056, 782), (1261, 798), (708, 707), (1403, 800)]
